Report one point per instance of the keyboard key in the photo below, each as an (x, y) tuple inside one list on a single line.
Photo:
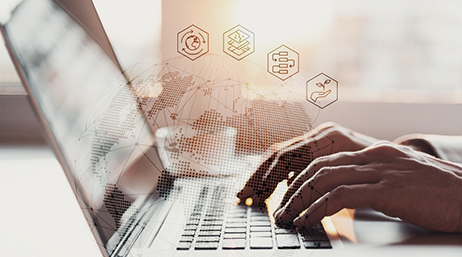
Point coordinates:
[(190, 227), (198, 208), (260, 234), (314, 235), (233, 244), (234, 236), (256, 213), (236, 225), (208, 238), (196, 214), (287, 241), (260, 218), (206, 245), (238, 220), (216, 208), (260, 224), (214, 224), (214, 215), (218, 220), (261, 243), (209, 233), (237, 216), (238, 209), (211, 228), (260, 229), (184, 246), (317, 245), (189, 232), (193, 222), (279, 230), (187, 238), (235, 230)]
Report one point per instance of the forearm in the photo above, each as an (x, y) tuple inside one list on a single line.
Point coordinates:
[(444, 147)]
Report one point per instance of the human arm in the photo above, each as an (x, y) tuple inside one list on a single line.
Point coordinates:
[(294, 156), (448, 148), (400, 181), (395, 180)]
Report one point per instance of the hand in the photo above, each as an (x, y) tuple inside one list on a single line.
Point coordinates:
[(295, 154), (393, 179)]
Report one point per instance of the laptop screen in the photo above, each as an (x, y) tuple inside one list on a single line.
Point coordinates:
[(92, 116)]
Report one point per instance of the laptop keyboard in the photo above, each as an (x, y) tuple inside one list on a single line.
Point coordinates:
[(210, 228)]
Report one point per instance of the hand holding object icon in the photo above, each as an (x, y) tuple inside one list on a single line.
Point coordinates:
[(321, 94)]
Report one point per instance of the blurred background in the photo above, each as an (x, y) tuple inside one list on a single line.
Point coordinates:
[(398, 63)]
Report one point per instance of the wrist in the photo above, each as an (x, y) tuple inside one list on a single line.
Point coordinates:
[(420, 145)]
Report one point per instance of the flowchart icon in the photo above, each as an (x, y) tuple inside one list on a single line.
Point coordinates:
[(283, 62)]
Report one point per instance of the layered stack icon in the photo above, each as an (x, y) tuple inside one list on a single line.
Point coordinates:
[(238, 42)]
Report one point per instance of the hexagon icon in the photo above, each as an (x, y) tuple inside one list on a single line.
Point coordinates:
[(238, 42), (283, 62), (193, 42), (321, 90)]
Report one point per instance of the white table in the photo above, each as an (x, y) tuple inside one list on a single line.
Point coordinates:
[(39, 215)]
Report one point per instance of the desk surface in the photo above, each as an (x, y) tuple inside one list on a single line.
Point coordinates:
[(41, 217)]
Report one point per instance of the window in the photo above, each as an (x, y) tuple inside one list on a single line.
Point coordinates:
[(399, 51), (380, 51)]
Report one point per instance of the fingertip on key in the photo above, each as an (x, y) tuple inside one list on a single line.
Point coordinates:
[(277, 212), (245, 193), (299, 221)]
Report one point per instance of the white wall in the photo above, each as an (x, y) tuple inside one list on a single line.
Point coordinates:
[(391, 120)]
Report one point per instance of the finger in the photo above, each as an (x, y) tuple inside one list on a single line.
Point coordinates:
[(293, 159), (326, 180), (338, 159), (345, 196), (254, 183), (273, 174), (320, 145), (298, 155), (290, 156)]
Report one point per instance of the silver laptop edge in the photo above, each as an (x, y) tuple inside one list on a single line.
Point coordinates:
[(161, 221), (51, 136)]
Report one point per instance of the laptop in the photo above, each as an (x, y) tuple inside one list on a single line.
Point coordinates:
[(131, 197), (107, 148)]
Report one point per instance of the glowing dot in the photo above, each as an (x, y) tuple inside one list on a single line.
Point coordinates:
[(248, 201)]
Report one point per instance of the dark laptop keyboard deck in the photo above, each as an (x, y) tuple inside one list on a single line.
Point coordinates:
[(210, 228)]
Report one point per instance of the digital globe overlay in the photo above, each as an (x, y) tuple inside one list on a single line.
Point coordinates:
[(212, 120), (214, 109), (211, 116)]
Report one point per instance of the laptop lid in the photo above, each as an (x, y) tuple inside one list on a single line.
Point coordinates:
[(89, 113)]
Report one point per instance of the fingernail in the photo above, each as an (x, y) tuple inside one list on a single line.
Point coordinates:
[(299, 221), (277, 213)]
